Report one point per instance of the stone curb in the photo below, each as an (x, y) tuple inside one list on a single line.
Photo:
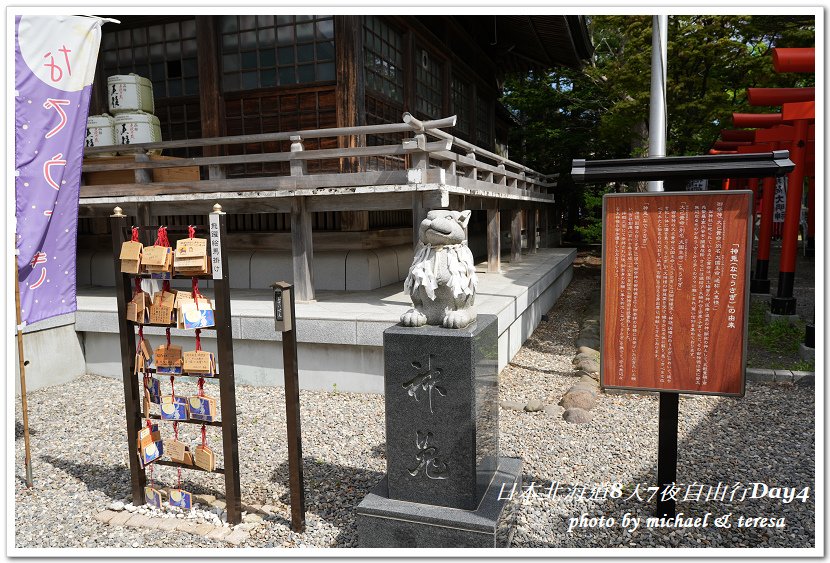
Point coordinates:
[(758, 375), (233, 535)]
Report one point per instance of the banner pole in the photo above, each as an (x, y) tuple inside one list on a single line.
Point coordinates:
[(28, 458)]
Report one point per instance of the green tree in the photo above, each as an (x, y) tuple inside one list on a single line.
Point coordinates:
[(601, 111)]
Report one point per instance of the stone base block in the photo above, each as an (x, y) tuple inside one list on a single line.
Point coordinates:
[(385, 522)]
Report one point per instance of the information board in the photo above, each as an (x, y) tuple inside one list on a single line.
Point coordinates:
[(675, 295)]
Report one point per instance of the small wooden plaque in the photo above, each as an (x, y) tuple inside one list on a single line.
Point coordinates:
[(205, 458), (190, 247), (199, 361)]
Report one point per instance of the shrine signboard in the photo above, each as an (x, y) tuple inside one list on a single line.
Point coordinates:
[(675, 296)]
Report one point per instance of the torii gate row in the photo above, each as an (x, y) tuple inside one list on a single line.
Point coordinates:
[(800, 112)]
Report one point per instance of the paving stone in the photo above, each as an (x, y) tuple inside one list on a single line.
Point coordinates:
[(534, 405), (137, 521), (512, 405), (246, 526), (120, 518), (268, 509), (184, 526), (168, 524), (219, 504), (783, 375), (588, 350), (204, 529), (218, 533), (154, 523), (252, 518), (236, 537), (105, 516), (757, 374), (204, 499)]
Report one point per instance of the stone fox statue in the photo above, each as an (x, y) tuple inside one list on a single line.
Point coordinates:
[(442, 279)]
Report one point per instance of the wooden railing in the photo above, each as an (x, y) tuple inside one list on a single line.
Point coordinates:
[(434, 156)]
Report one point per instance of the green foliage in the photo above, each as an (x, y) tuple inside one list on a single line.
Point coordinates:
[(777, 341), (601, 111), (803, 365)]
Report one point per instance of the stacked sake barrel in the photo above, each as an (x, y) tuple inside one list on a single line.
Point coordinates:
[(130, 120)]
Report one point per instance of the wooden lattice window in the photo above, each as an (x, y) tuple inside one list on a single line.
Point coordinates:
[(166, 54), (484, 122), (428, 87), (461, 106), (383, 59), (268, 51)]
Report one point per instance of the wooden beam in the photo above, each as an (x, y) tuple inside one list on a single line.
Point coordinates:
[(323, 240), (302, 251), (515, 236), (493, 241)]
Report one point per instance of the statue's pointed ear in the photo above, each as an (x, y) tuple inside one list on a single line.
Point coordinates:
[(464, 218)]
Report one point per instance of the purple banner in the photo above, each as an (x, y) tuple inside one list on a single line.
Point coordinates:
[(54, 66)]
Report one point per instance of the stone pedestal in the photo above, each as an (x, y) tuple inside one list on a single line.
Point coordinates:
[(441, 394), (385, 522)]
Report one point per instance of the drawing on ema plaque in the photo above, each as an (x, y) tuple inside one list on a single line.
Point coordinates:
[(675, 291)]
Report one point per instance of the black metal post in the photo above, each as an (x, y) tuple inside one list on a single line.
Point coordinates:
[(667, 452), (292, 410)]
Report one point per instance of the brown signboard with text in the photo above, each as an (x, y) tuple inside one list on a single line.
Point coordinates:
[(675, 295)]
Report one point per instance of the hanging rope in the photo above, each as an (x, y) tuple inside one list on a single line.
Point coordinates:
[(172, 389), (135, 235), (161, 237), (195, 289), (191, 231), (140, 338), (198, 340), (201, 385), (165, 286), (137, 287), (204, 436), (167, 333)]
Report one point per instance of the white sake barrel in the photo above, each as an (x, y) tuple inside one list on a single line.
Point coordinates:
[(130, 92), (137, 127), (100, 132)]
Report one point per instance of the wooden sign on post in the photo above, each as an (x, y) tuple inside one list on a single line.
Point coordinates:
[(675, 297)]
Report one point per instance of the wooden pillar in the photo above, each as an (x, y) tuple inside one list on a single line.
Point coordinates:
[(302, 252), (211, 104), (544, 227), (349, 93), (515, 236), (419, 213), (531, 230), (420, 161), (493, 241)]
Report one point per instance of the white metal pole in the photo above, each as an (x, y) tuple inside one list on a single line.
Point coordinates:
[(657, 105)]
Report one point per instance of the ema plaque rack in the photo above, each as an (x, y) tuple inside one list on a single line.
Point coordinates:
[(199, 255)]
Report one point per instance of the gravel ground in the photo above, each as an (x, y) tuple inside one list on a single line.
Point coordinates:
[(80, 463)]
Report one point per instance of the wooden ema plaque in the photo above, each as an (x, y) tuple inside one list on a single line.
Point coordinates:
[(675, 295)]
